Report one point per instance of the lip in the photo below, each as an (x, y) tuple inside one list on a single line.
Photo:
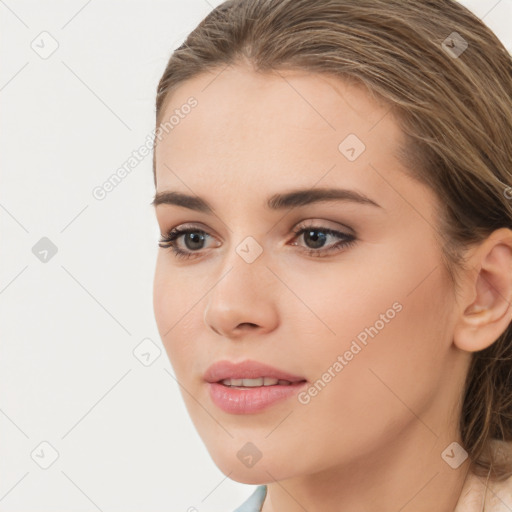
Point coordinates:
[(247, 369), (239, 400), (235, 400)]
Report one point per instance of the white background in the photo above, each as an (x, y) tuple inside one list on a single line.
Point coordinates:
[(69, 326)]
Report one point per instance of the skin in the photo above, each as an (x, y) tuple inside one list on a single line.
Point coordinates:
[(372, 438)]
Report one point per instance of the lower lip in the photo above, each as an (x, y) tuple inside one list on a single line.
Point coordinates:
[(249, 400)]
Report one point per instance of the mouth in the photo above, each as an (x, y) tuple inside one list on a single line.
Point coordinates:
[(249, 374)]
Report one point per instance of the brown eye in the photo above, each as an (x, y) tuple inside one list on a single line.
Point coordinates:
[(315, 238)]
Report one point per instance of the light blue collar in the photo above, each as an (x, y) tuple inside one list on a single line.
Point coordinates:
[(255, 501)]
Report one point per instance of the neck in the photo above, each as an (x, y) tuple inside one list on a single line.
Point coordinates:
[(405, 475)]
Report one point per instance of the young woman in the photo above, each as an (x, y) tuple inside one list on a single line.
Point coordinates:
[(334, 193)]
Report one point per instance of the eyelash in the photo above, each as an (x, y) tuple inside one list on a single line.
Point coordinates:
[(168, 241)]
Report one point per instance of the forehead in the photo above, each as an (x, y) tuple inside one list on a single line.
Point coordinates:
[(252, 130)]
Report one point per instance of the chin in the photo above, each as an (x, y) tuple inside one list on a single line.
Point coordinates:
[(250, 478), (263, 471)]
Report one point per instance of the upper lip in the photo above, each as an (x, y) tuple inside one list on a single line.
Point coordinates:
[(248, 369)]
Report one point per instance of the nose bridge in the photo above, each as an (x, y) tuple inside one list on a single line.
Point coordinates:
[(243, 272), (242, 292)]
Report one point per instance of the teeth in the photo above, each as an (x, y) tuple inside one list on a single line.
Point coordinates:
[(251, 383)]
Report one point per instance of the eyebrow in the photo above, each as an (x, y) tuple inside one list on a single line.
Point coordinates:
[(292, 199)]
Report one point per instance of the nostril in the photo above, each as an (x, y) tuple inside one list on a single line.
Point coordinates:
[(246, 326)]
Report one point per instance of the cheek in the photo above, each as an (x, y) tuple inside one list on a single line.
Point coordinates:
[(333, 304), (175, 316), (175, 291), (162, 299), (393, 332)]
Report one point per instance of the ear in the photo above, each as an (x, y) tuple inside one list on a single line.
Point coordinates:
[(486, 306)]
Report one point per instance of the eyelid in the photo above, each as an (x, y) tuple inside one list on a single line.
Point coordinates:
[(326, 224), (307, 223)]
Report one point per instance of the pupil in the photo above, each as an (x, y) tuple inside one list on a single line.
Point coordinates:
[(313, 235), (194, 237), (317, 238)]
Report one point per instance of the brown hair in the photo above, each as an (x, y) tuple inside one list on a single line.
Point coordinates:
[(455, 110)]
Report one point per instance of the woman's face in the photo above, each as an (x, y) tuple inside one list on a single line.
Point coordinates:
[(368, 325)]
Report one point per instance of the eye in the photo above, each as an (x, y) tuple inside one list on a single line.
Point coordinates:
[(192, 236), (316, 236)]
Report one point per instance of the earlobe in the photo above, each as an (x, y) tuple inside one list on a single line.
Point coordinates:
[(487, 311)]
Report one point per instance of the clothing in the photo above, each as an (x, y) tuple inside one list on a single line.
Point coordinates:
[(497, 499), (480, 494), (255, 501)]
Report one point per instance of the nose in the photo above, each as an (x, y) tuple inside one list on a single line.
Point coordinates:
[(243, 299)]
